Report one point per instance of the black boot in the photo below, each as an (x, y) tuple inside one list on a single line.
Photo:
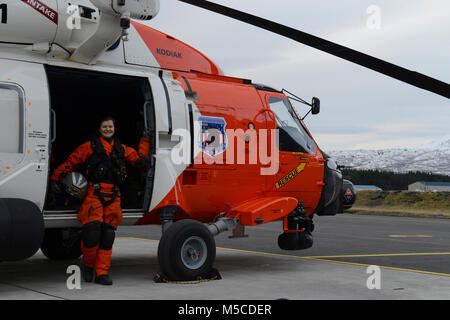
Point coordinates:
[(104, 279), (88, 274)]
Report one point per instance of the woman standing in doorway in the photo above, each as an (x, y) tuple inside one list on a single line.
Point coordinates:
[(100, 213)]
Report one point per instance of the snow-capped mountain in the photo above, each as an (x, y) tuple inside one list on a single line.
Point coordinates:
[(433, 157), (442, 144)]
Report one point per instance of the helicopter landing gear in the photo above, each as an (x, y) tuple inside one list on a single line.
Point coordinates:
[(186, 251), (295, 241), (298, 230), (62, 244)]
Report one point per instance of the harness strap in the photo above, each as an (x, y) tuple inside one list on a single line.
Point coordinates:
[(103, 195), (104, 168)]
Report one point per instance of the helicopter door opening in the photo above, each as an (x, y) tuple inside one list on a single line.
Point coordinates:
[(78, 101)]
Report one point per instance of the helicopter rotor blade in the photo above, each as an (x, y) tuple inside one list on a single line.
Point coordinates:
[(411, 77)]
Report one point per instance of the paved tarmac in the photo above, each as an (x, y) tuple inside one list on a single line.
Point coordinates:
[(413, 255)]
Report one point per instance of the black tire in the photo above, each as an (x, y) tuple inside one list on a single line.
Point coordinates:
[(61, 244), (186, 251), (295, 241)]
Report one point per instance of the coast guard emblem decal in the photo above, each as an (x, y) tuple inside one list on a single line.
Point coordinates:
[(212, 138)]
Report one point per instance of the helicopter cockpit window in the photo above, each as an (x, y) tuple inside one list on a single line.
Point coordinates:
[(11, 120), (292, 135)]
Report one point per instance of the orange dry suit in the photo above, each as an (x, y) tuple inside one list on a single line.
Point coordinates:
[(100, 213)]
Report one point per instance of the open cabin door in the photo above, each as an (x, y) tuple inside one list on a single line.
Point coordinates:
[(24, 131), (77, 112)]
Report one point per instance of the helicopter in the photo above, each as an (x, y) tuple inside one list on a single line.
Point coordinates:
[(225, 151)]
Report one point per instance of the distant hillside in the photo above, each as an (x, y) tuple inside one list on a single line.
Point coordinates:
[(388, 180), (433, 157)]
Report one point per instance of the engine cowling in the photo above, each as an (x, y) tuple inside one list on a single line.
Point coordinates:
[(136, 9), (79, 30)]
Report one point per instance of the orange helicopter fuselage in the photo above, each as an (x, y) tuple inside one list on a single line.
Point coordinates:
[(208, 187)]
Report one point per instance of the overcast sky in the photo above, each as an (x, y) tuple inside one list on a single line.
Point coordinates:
[(359, 107)]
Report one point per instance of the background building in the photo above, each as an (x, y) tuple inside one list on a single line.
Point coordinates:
[(360, 187), (429, 186)]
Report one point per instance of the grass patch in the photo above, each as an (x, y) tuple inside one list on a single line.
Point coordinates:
[(426, 204)]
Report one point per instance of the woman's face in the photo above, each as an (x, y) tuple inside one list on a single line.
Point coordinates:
[(107, 129)]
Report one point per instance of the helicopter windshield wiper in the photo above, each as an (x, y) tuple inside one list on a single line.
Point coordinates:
[(292, 96)]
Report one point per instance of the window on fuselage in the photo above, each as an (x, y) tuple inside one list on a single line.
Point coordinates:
[(11, 119), (292, 135)]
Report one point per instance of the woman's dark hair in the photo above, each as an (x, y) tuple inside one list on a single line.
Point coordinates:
[(107, 118), (99, 124)]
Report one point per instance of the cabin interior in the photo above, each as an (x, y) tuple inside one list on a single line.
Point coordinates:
[(79, 100)]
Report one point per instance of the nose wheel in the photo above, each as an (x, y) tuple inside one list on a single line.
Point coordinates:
[(186, 251)]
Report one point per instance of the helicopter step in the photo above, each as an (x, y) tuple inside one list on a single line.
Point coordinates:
[(68, 219)]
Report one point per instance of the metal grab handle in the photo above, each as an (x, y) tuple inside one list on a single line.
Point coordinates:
[(53, 125), (145, 114)]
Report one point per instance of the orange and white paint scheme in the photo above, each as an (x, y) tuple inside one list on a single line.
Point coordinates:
[(224, 151), (207, 186)]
